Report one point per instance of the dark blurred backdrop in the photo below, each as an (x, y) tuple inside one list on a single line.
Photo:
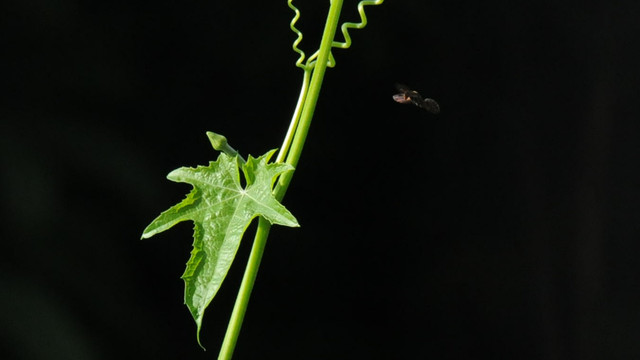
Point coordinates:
[(506, 227)]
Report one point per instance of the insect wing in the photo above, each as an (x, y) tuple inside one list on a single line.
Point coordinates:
[(430, 105), (402, 88)]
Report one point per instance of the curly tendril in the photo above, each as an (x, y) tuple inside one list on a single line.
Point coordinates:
[(349, 25), (345, 33), (297, 41)]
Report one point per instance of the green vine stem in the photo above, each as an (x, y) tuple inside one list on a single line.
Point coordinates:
[(286, 144), (291, 149), (242, 301)]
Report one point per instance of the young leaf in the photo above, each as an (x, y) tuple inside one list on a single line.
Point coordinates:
[(221, 210)]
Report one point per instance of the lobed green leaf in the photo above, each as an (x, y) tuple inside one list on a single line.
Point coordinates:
[(221, 210)]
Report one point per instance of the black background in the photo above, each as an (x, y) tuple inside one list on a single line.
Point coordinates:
[(506, 227)]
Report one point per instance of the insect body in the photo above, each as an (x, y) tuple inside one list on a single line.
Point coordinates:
[(407, 96)]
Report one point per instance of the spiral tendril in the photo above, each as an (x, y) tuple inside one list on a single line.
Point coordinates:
[(344, 28), (292, 25), (350, 25)]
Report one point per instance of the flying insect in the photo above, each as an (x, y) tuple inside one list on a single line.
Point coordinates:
[(408, 96)]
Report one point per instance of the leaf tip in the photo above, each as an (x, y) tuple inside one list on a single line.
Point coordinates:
[(294, 224), (199, 325), (200, 344), (175, 174), (147, 233)]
